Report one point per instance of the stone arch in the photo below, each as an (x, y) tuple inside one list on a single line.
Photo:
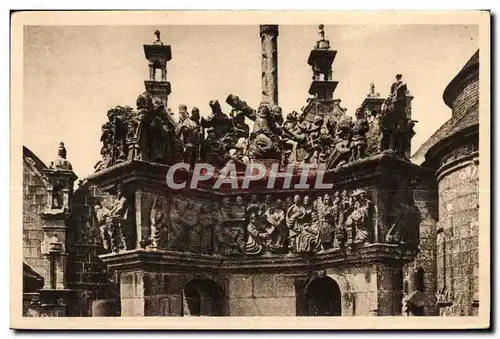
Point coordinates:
[(323, 297), (203, 297)]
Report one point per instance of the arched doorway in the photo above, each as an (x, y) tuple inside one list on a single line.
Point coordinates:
[(203, 297), (323, 298)]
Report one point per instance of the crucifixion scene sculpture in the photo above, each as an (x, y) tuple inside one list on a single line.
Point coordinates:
[(245, 205)]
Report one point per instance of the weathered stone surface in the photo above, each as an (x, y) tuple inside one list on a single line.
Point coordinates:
[(285, 286), (247, 307), (263, 285), (241, 286)]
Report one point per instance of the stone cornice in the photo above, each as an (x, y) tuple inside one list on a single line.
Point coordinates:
[(179, 262)]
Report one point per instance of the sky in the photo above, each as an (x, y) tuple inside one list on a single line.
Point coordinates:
[(73, 74)]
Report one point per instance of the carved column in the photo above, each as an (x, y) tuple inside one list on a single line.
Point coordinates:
[(269, 43)]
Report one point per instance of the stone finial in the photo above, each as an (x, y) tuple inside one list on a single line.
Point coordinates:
[(61, 162), (372, 93)]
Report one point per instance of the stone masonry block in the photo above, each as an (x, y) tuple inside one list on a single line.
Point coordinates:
[(240, 286), (285, 286), (263, 285)]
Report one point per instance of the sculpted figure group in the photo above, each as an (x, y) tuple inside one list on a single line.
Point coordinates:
[(151, 133), (111, 217), (257, 226), (298, 225)]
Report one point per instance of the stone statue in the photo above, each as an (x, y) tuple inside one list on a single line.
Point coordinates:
[(341, 151), (311, 142), (275, 216), (326, 221), (219, 121), (372, 93), (358, 139), (229, 237), (166, 144), (105, 225), (394, 124), (294, 218), (277, 116), (119, 214), (157, 41), (238, 210), (183, 113), (113, 137), (358, 222), (307, 240), (290, 136), (214, 150), (259, 234), (264, 141), (191, 137), (57, 196), (406, 219), (158, 219), (225, 209)]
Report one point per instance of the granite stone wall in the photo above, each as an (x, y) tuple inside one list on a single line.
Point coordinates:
[(34, 201), (457, 241), (468, 95)]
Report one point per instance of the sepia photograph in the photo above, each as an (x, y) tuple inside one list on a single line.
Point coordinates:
[(179, 168)]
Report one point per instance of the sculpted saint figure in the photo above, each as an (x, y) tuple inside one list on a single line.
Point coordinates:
[(357, 223), (119, 214), (259, 234), (238, 210), (294, 218), (190, 133), (158, 218), (358, 139), (290, 136), (102, 214), (341, 150), (308, 239), (263, 142), (326, 219), (214, 150), (394, 124), (183, 113), (275, 216)]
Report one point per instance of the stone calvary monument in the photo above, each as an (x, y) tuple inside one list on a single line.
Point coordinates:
[(289, 249), (282, 252)]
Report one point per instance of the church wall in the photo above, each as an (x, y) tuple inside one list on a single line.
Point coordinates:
[(34, 200), (358, 287), (458, 244), (262, 295), (468, 94)]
